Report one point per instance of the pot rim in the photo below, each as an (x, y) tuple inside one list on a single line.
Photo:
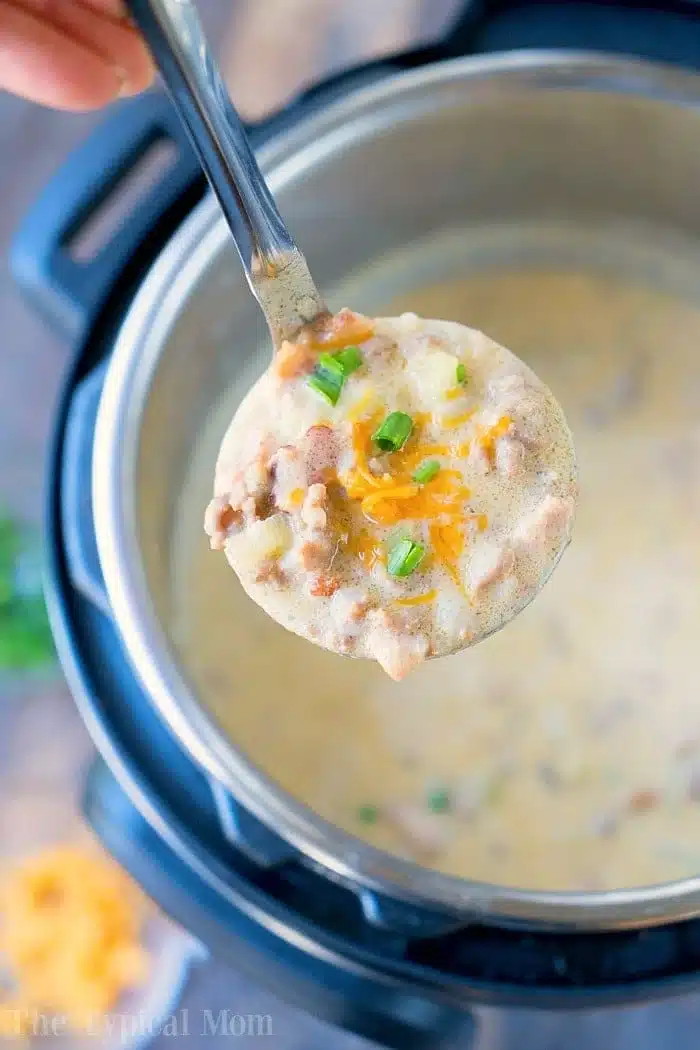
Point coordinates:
[(133, 362)]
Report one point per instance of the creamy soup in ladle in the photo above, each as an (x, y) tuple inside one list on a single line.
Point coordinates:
[(563, 752), (394, 488)]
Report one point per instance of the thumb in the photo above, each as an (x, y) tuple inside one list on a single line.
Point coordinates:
[(69, 55)]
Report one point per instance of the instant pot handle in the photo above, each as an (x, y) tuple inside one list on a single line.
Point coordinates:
[(80, 542), (99, 208)]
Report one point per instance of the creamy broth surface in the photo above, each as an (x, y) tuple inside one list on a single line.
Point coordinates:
[(564, 752)]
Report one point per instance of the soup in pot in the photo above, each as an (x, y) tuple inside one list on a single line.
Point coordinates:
[(564, 752)]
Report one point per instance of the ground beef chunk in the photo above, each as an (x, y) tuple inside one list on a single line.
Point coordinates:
[(320, 451), (219, 520), (545, 523), (394, 645)]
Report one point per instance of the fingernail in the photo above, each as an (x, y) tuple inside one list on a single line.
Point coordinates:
[(121, 76), (122, 13)]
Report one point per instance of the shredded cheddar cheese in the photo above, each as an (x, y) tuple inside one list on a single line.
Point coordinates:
[(448, 544), (340, 331), (421, 507), (487, 438), (70, 935), (398, 492), (408, 459), (391, 498), (362, 475), (480, 520), (292, 359), (335, 333), (452, 422), (368, 548), (418, 599), (364, 404)]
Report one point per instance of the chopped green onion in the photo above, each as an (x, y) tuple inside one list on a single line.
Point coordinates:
[(394, 432), (330, 363), (350, 359), (404, 557), (326, 385), (368, 814), (461, 373), (426, 471), (331, 371), (439, 800), (327, 378)]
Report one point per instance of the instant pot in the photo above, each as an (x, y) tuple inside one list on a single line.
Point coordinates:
[(526, 111)]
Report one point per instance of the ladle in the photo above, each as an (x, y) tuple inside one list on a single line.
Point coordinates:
[(280, 280), (276, 270)]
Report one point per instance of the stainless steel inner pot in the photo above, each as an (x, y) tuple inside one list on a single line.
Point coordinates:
[(523, 138)]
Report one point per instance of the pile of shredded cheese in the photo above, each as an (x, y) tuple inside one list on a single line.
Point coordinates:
[(70, 929), (395, 497)]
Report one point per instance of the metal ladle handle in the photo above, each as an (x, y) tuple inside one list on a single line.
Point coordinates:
[(276, 270)]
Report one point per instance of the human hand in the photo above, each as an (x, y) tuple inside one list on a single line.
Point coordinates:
[(71, 54)]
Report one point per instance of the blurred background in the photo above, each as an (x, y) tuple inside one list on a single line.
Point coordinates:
[(269, 49)]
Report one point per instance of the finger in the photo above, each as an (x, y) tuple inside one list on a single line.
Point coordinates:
[(100, 26), (41, 63), (112, 8)]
